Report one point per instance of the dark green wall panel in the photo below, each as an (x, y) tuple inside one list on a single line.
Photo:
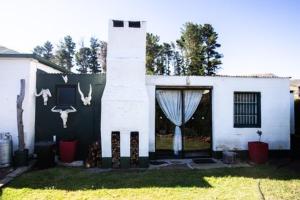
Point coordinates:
[(83, 125)]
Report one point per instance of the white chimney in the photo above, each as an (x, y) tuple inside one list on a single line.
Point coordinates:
[(125, 100)]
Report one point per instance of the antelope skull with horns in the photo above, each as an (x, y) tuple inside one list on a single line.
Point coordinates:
[(45, 94), (85, 100), (64, 114)]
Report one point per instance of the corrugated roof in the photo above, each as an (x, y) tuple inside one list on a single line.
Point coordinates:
[(295, 82), (36, 57), (5, 50), (266, 75)]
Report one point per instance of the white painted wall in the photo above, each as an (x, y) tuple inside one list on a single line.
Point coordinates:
[(12, 70), (125, 99), (275, 109)]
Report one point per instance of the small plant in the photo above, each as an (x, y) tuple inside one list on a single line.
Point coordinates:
[(259, 133)]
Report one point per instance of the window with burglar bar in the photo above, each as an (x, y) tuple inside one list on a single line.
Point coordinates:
[(247, 109)]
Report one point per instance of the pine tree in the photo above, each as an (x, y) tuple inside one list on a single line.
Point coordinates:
[(65, 52), (103, 55), (48, 51), (94, 50), (199, 46), (177, 60), (153, 49), (83, 59), (212, 57), (45, 51)]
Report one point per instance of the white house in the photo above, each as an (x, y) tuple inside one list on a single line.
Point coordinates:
[(15, 66), (174, 116), (240, 105)]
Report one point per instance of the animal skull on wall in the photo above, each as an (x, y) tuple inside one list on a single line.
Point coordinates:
[(45, 94), (65, 78), (64, 114), (85, 100)]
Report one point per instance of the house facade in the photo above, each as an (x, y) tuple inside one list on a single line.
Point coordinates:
[(144, 117), (14, 67), (240, 105)]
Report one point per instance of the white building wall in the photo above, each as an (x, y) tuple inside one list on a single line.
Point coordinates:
[(275, 109), (125, 99), (12, 70)]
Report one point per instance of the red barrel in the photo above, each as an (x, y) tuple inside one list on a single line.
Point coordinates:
[(258, 152), (67, 150)]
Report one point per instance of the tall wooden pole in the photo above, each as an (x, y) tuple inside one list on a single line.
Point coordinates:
[(20, 99)]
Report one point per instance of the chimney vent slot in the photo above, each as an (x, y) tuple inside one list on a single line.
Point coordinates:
[(135, 24), (118, 23)]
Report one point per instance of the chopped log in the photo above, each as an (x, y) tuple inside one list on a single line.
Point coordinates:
[(20, 99), (134, 149), (94, 155), (115, 144)]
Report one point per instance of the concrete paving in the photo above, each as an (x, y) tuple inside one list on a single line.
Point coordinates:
[(17, 172), (189, 164)]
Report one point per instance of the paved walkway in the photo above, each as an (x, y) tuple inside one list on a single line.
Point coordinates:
[(14, 173), (189, 164)]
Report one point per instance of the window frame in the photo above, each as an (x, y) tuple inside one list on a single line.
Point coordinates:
[(258, 124), (118, 23), (134, 24), (57, 93)]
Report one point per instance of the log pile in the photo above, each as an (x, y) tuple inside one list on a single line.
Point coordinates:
[(94, 155), (115, 145), (134, 149)]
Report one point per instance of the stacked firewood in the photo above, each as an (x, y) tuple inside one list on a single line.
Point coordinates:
[(94, 155), (115, 143), (134, 150)]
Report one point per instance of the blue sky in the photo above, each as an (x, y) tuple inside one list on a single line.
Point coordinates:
[(257, 36)]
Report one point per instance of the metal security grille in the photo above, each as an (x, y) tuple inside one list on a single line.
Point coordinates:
[(246, 109)]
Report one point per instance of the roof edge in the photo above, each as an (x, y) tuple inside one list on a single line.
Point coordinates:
[(38, 58), (224, 76)]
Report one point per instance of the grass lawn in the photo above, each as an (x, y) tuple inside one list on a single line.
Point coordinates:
[(226, 183), (194, 143)]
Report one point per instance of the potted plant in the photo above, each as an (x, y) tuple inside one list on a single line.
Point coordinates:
[(67, 149), (21, 155), (258, 151)]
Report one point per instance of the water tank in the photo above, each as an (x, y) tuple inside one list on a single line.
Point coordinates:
[(5, 150)]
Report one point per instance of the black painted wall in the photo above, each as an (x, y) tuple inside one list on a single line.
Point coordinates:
[(83, 125)]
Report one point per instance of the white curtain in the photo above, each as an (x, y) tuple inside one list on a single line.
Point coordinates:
[(170, 102), (192, 99)]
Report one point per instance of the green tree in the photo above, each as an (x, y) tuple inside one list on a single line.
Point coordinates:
[(65, 52), (192, 47), (45, 51), (153, 49), (199, 48), (103, 55), (178, 62), (83, 59), (165, 57), (94, 50), (38, 50), (212, 60)]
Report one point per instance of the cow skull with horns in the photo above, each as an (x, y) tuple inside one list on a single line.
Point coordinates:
[(45, 94), (64, 114), (85, 100)]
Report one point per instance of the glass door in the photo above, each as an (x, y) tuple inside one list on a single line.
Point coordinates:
[(197, 131)]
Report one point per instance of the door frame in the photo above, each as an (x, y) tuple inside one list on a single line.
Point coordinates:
[(182, 88)]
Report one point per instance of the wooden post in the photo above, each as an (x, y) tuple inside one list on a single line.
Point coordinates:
[(20, 99)]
